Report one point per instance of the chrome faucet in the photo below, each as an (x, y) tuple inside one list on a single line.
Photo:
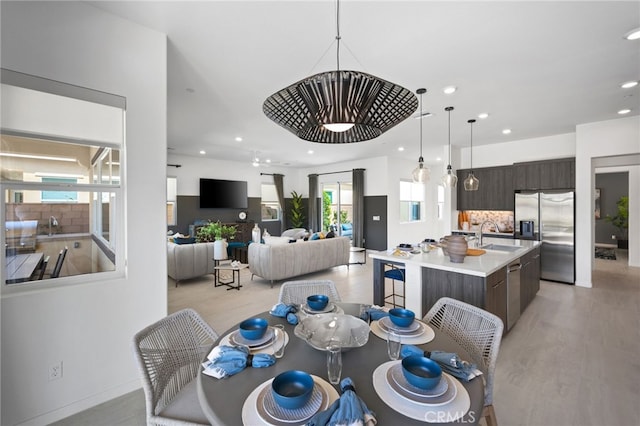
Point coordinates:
[(53, 222), (482, 226)]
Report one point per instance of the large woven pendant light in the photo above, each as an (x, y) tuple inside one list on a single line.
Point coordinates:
[(340, 106), (471, 182), (449, 180), (421, 173)]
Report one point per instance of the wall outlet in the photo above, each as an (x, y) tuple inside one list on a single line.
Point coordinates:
[(55, 371)]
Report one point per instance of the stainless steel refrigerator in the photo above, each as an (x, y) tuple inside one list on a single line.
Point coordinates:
[(553, 216)]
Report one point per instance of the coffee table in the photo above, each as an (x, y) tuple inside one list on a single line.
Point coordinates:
[(235, 273)]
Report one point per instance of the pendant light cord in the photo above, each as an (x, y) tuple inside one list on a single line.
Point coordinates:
[(338, 33), (471, 147), (450, 108), (421, 127)]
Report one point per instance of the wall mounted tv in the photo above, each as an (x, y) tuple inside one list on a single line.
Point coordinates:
[(223, 194)]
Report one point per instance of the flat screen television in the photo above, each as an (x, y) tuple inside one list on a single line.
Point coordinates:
[(223, 194)]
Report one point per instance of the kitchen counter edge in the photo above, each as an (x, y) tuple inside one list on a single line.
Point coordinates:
[(481, 266)]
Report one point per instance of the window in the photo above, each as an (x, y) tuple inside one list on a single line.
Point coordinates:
[(172, 195), (59, 196), (60, 181), (411, 201), (269, 205), (440, 202)]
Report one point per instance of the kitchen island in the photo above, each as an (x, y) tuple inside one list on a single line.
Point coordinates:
[(480, 280)]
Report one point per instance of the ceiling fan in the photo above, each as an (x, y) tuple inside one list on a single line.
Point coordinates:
[(258, 161)]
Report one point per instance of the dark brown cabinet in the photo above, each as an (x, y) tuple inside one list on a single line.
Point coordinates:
[(495, 191), (496, 294), (529, 277), (550, 174)]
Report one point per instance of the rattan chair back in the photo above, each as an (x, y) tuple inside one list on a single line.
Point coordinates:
[(169, 354), (296, 292), (479, 332)]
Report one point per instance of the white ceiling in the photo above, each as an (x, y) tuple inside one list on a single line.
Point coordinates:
[(538, 68)]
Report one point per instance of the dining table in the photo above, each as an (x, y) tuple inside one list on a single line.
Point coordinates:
[(20, 267), (222, 400)]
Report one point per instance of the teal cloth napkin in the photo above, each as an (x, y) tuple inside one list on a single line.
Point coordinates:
[(349, 409), (225, 361), (449, 361)]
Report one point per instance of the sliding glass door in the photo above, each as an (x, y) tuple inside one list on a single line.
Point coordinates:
[(337, 208)]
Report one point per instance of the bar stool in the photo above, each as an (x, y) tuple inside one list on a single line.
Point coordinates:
[(395, 274)]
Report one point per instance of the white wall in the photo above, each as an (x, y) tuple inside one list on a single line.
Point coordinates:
[(194, 168), (593, 141), (89, 326), (507, 153)]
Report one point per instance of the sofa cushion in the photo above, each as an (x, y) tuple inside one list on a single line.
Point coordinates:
[(276, 240), (184, 240), (294, 233)]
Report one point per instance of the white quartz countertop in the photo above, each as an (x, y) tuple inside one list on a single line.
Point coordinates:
[(482, 266), (487, 234)]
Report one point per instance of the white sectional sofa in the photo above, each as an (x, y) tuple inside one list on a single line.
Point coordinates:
[(275, 262), (186, 261)]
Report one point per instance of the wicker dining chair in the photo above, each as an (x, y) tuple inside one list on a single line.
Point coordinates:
[(296, 292), (169, 354), (479, 332)]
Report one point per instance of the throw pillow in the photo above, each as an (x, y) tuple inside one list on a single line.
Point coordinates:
[(276, 240), (330, 234), (314, 236)]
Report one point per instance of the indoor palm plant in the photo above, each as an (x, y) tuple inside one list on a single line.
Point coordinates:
[(296, 216), (621, 221)]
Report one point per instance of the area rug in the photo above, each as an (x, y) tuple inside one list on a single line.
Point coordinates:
[(605, 253)]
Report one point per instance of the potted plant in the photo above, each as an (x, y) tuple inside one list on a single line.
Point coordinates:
[(296, 216), (209, 233), (621, 221), (217, 233)]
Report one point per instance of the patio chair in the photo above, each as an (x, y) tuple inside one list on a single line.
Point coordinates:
[(296, 292), (479, 333), (169, 354)]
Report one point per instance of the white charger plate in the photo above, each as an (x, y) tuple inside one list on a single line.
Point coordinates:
[(268, 348), (250, 415), (427, 336), (449, 412), (415, 329), (399, 384)]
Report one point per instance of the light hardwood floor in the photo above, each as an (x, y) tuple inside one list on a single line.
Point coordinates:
[(572, 358)]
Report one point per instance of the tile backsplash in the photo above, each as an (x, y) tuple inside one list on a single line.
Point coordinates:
[(504, 219)]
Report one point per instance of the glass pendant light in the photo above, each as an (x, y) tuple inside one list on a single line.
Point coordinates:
[(421, 173), (471, 182), (449, 180)]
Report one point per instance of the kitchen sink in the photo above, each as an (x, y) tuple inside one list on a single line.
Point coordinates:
[(499, 247)]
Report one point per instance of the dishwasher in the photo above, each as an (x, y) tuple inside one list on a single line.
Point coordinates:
[(513, 292)]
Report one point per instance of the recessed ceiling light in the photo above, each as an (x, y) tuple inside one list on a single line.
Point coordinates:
[(268, 160), (506, 131), (633, 34), (624, 111), (401, 148), (255, 164), (310, 151), (449, 89), (438, 159), (238, 139), (202, 152), (483, 115), (629, 84)]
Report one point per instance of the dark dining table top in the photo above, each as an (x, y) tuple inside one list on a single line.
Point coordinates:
[(222, 399), (20, 267)]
